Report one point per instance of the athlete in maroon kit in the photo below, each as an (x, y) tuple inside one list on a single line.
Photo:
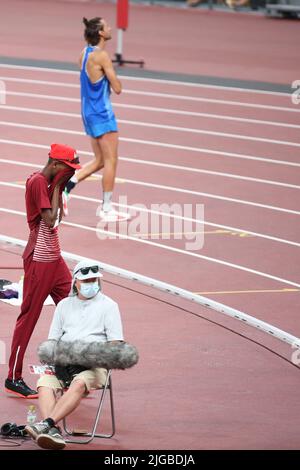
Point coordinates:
[(46, 273)]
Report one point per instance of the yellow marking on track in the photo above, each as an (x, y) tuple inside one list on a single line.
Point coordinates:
[(211, 232), (241, 234), (164, 234), (249, 291), (228, 232)]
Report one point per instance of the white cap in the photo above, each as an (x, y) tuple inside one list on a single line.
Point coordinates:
[(84, 264)]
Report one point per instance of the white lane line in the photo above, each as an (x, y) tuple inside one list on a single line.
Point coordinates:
[(200, 150), (189, 219), (213, 100), (213, 133), (161, 213), (158, 126), (208, 86), (178, 292), (206, 115), (166, 247), (197, 193), (152, 80), (159, 110), (148, 124), (213, 196), (32, 81), (210, 196), (157, 95), (210, 172), (44, 97), (40, 69), (182, 168)]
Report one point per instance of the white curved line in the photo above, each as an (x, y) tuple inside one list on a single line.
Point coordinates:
[(173, 216), (166, 247), (179, 292), (140, 209)]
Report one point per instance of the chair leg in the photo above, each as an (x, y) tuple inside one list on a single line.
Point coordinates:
[(92, 434)]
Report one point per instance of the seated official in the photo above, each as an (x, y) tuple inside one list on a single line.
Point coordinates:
[(89, 316)]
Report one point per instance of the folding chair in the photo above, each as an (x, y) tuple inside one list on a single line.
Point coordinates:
[(92, 434)]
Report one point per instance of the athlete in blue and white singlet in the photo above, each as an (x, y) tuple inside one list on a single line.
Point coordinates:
[(97, 79), (96, 109)]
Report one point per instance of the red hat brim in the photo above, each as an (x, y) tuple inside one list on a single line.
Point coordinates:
[(76, 166)]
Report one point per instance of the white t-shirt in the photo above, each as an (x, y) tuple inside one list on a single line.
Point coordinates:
[(96, 319)]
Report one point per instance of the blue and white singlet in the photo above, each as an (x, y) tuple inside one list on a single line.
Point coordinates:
[(96, 109)]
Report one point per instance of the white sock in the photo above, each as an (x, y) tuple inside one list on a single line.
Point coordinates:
[(107, 196), (74, 179)]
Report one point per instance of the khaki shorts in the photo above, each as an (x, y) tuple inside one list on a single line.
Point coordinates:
[(93, 379)]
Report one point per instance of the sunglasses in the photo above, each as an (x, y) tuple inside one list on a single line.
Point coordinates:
[(74, 160), (84, 271)]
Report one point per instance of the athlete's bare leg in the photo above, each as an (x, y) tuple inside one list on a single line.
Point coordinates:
[(106, 156), (94, 165), (108, 144)]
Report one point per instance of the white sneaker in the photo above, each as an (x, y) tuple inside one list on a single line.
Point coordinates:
[(52, 440), (37, 429), (113, 216)]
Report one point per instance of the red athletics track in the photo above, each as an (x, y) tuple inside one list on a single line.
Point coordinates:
[(198, 385)]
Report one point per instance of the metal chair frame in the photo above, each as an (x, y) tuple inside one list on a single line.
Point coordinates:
[(91, 435)]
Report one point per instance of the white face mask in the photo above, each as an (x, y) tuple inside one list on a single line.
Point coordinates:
[(89, 289)]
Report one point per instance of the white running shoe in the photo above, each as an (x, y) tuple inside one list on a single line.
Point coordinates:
[(38, 428), (52, 440), (113, 216)]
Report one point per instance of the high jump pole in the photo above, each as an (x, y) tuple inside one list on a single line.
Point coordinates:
[(122, 25)]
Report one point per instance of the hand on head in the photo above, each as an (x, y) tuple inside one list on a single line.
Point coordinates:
[(64, 162), (61, 179)]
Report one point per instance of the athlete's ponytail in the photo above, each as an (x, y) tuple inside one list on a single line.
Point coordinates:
[(92, 28)]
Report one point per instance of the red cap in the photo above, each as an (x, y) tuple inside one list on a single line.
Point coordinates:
[(65, 154)]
